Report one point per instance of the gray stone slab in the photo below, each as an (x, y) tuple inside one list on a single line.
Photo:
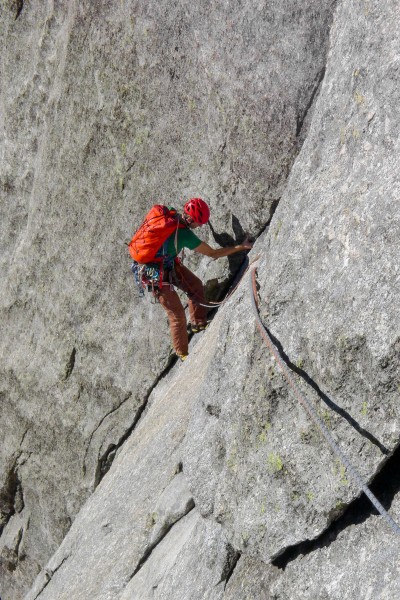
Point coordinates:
[(106, 108), (136, 504), (102, 108), (329, 289)]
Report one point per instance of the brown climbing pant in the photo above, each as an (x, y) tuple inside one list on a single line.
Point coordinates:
[(186, 281)]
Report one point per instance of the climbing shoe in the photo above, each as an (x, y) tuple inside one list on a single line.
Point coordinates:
[(182, 356), (199, 327)]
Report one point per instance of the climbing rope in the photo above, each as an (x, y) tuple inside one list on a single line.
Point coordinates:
[(236, 282), (312, 412)]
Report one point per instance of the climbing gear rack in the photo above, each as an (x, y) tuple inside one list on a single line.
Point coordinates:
[(147, 277)]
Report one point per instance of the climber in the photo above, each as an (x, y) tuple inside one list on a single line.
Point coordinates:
[(174, 274)]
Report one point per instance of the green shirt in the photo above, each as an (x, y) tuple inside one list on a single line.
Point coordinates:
[(184, 238)]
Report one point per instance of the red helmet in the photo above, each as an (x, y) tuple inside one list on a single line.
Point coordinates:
[(198, 210)]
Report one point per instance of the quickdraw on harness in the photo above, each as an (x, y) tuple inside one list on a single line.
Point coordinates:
[(153, 276), (148, 277)]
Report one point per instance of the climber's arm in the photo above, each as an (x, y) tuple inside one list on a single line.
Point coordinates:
[(214, 253)]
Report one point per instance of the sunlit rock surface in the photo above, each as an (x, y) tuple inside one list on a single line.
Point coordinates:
[(287, 111)]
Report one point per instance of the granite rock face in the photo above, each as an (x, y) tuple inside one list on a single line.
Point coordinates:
[(268, 112), (329, 294), (141, 522), (361, 562), (106, 108)]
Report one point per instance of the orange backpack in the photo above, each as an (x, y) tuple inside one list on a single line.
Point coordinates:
[(159, 223)]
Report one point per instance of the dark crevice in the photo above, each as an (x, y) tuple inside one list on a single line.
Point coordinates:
[(273, 208), (106, 460), (330, 403), (70, 364), (151, 548), (23, 438), (129, 395), (54, 571), (49, 574), (18, 542), (215, 290), (385, 486), (235, 261), (11, 497), (301, 118), (19, 5), (214, 411), (232, 559)]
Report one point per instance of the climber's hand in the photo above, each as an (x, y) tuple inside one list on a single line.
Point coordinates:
[(247, 244)]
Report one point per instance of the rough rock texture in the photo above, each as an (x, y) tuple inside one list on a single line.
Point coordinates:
[(109, 107), (372, 572), (106, 107), (141, 502), (362, 562), (329, 290)]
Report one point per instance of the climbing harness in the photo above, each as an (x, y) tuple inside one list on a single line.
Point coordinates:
[(148, 277), (311, 410), (149, 248)]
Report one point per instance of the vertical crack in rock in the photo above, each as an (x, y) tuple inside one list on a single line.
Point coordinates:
[(23, 439), (106, 460), (11, 494), (217, 292), (301, 118), (163, 534), (18, 542), (385, 485), (11, 497), (19, 5), (100, 424), (49, 574), (237, 264), (232, 559), (330, 403), (70, 364), (272, 210)]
